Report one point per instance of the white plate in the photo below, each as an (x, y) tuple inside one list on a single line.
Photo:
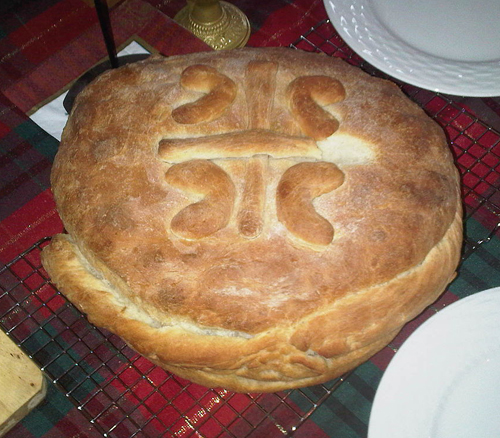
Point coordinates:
[(444, 382), (448, 46)]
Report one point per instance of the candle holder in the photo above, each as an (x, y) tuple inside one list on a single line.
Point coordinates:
[(219, 24)]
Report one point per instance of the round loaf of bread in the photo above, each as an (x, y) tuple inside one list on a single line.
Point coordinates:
[(255, 219)]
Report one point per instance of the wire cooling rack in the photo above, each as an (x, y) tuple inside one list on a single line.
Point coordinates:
[(119, 391), (123, 395)]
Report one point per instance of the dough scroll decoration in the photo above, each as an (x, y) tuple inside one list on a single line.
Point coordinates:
[(297, 189), (257, 145), (307, 95), (220, 92), (213, 212)]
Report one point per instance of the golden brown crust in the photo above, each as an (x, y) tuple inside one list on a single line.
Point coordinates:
[(242, 225), (291, 356)]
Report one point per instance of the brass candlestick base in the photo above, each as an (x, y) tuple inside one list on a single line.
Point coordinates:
[(220, 24)]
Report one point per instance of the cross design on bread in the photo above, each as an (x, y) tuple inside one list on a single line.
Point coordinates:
[(299, 185)]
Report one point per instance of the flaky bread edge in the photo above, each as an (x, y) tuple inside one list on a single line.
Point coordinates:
[(317, 348)]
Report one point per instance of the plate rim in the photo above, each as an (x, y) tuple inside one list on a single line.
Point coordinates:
[(411, 65), (423, 331)]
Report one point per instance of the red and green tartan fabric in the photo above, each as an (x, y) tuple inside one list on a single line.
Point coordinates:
[(44, 46)]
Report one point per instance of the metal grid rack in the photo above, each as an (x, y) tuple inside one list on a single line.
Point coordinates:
[(123, 394)]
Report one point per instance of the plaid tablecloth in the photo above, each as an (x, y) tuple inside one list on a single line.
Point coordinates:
[(47, 44)]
